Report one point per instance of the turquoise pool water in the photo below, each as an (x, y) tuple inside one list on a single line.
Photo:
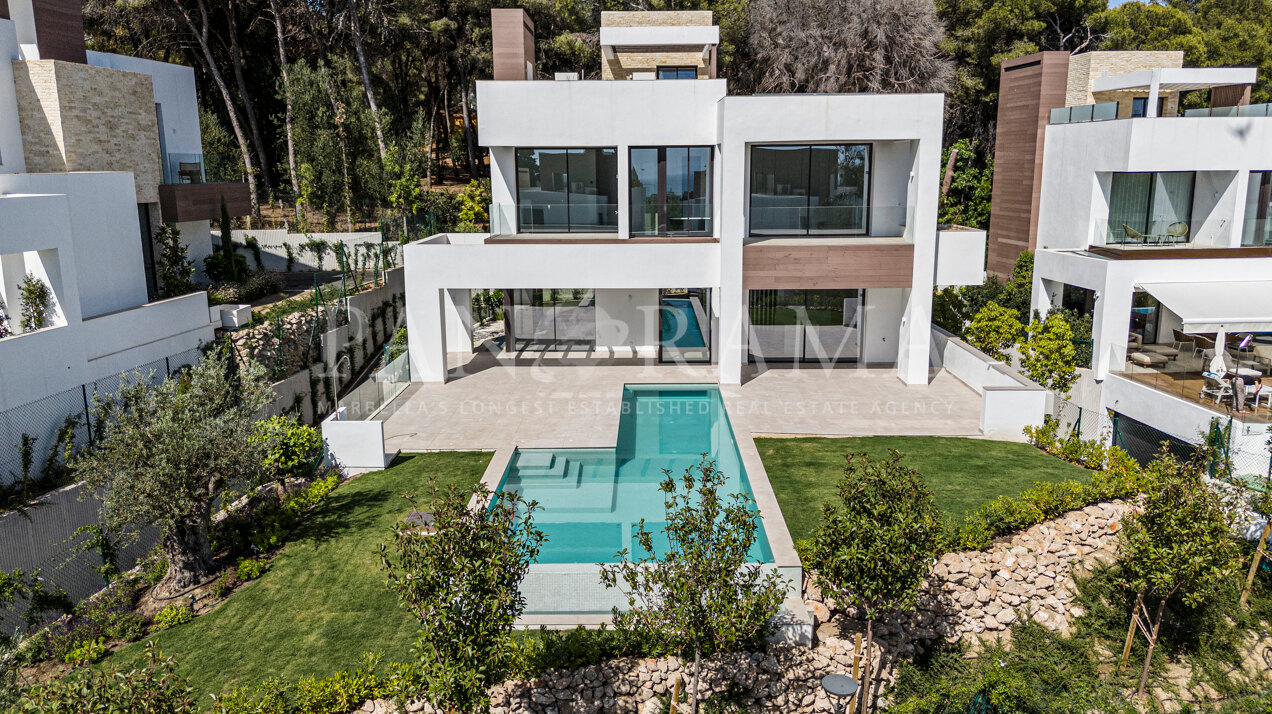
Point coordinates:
[(592, 500), (680, 326)]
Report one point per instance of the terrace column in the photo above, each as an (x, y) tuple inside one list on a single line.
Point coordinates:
[(1110, 327), (426, 334)]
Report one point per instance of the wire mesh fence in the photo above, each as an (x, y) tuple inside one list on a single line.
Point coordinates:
[(38, 434)]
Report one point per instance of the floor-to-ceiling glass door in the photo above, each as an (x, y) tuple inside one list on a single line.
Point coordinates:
[(685, 325), (554, 319), (805, 325)]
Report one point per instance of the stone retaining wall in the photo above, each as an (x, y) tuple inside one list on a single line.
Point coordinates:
[(969, 595)]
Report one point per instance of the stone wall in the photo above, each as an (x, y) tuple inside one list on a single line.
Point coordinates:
[(969, 596), (76, 117)]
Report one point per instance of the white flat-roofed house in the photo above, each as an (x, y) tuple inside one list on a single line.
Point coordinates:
[(648, 214), (1155, 221)]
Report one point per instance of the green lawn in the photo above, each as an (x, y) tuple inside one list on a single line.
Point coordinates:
[(962, 473), (324, 601)]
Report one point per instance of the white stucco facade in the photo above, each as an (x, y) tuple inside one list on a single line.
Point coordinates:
[(628, 272), (1085, 241)]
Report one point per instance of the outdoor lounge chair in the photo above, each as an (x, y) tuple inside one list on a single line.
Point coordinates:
[(1213, 386), (1132, 235), (1263, 356), (1181, 339), (1177, 232)]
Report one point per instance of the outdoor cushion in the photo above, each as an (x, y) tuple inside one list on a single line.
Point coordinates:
[(1147, 359), (1162, 350)]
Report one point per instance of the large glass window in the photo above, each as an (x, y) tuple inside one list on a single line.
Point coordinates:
[(1154, 208), (677, 72), (558, 318), (671, 190), (685, 325), (1257, 229), (805, 325), (567, 190), (821, 189)]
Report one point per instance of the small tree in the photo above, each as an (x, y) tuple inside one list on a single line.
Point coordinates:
[(5, 330), (175, 269), (404, 184), (876, 541), (461, 579), (1179, 546), (37, 300), (1048, 355), (994, 330), (703, 595), (165, 455)]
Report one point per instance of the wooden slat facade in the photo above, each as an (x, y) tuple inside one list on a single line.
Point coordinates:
[(1232, 95), (59, 30), (202, 201), (1029, 88), (775, 266), (4, 10), (512, 42)]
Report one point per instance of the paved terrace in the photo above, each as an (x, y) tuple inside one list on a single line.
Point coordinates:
[(492, 403)]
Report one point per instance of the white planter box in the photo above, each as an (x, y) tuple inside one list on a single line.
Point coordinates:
[(231, 317)]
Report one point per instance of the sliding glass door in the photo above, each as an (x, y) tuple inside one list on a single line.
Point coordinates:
[(567, 190), (805, 325), (685, 325), (812, 190), (1150, 207), (555, 319), (1257, 229), (671, 191)]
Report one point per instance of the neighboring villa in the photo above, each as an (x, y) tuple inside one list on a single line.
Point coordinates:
[(1153, 221), (650, 214), (96, 150)]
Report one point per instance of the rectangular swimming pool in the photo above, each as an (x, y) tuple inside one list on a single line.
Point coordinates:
[(592, 500)]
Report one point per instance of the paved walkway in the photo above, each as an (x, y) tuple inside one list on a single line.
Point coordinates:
[(495, 403)]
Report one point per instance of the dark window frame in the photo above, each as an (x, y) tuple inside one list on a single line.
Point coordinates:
[(869, 188), (677, 69), (516, 167), (663, 230), (803, 357), (1148, 206)]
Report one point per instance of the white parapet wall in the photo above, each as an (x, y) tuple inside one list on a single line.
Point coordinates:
[(1009, 401), (357, 445), (273, 244)]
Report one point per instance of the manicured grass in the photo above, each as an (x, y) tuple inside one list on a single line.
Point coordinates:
[(324, 602), (962, 473)]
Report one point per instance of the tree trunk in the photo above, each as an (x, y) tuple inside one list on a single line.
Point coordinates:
[(189, 554), (468, 130), (446, 124), (697, 674), (236, 62), (432, 144), (287, 104), (867, 670), (356, 25), (201, 35), (1152, 643), (338, 114)]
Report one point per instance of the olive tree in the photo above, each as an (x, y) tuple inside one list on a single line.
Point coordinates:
[(1179, 546), (876, 541), (703, 594), (460, 577), (166, 453)]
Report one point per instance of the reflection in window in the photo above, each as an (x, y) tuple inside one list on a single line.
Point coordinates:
[(1151, 207), (805, 325), (558, 318), (567, 190), (1257, 229), (810, 190), (677, 72), (671, 190)]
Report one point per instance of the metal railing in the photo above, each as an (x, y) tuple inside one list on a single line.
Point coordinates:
[(182, 168), (1248, 110)]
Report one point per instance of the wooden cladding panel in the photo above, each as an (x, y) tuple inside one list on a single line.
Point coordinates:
[(4, 10), (202, 201), (1029, 88), (1232, 95), (59, 30), (512, 42), (774, 266)]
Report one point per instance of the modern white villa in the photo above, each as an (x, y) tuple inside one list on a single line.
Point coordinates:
[(96, 150), (650, 214), (1154, 220)]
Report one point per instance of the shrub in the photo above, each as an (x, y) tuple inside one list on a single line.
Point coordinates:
[(173, 266), (173, 615), (251, 568), (292, 446), (112, 610), (268, 518), (153, 687), (86, 652), (537, 652), (225, 584), (995, 330), (153, 566), (36, 300), (342, 692), (57, 640)]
